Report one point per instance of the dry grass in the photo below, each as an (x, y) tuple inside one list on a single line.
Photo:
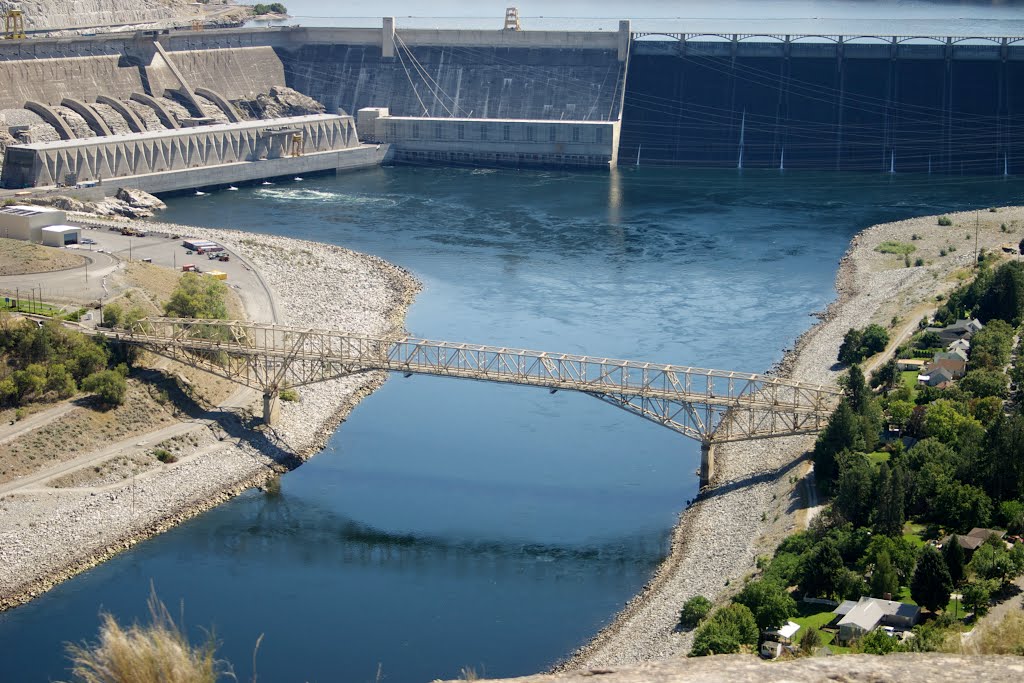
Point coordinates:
[(20, 258), (82, 431), (1004, 637), (156, 653)]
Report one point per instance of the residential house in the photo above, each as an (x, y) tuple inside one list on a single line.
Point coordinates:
[(862, 617), (936, 377), (973, 539), (961, 329), (959, 345)]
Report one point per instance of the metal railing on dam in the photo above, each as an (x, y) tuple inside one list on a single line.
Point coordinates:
[(711, 406)]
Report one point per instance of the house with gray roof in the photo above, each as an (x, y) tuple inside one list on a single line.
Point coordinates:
[(864, 616)]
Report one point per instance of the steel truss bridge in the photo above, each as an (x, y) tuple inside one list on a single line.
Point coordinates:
[(711, 406)]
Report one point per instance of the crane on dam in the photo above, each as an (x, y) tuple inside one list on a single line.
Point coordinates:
[(710, 406)]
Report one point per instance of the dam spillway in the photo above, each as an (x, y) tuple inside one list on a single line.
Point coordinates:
[(552, 98), (940, 105)]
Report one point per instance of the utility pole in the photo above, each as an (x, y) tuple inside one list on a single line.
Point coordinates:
[(977, 220)]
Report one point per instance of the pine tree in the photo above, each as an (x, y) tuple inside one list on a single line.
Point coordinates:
[(856, 389), (888, 516), (953, 555), (842, 432)]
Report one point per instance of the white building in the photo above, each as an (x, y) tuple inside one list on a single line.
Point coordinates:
[(61, 235), (26, 222)]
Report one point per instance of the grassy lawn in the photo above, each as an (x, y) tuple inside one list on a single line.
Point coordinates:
[(816, 616), (915, 533), (910, 381), (878, 457), (37, 307)]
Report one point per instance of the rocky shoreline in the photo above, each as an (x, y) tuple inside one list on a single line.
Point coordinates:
[(88, 526), (756, 495)]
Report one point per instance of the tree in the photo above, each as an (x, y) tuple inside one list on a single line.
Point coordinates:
[(198, 296), (841, 433), (60, 381), (823, 570), (850, 349), (874, 339), (930, 586), (884, 580), (108, 385), (769, 602), (1012, 514), (888, 514), (887, 376), (993, 562), (901, 553), (956, 561), (1004, 298), (725, 632), (856, 389), (854, 489), (977, 595), (961, 506), (694, 610), (878, 642), (984, 383), (900, 412)]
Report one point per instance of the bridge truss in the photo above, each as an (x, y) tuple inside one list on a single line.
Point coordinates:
[(711, 406)]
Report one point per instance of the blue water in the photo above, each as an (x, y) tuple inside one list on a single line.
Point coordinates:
[(451, 523), (818, 17)]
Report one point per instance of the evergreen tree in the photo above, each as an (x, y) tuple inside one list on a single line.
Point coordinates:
[(823, 569), (931, 585), (854, 490), (841, 433), (955, 559), (888, 502), (856, 389), (883, 577)]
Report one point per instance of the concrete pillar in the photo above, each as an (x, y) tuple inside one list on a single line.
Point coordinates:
[(387, 39), (707, 462), (625, 35), (271, 408)]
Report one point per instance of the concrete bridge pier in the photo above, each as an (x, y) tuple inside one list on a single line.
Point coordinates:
[(707, 463), (271, 407)]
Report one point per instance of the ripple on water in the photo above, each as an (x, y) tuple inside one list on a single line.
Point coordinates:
[(325, 197)]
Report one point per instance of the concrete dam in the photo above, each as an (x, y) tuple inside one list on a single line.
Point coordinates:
[(155, 107)]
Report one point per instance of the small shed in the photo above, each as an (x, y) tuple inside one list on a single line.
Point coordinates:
[(26, 222), (784, 634), (911, 364), (770, 649), (61, 235)]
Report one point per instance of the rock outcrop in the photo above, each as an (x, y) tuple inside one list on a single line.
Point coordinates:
[(127, 203), (280, 102), (897, 668)]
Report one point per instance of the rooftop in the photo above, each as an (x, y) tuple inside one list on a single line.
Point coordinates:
[(22, 210)]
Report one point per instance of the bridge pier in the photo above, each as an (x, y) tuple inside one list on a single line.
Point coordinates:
[(271, 407), (707, 462)]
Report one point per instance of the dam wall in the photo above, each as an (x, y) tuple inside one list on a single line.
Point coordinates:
[(884, 106)]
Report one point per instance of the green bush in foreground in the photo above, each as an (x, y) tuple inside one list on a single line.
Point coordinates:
[(694, 610), (945, 221), (725, 632), (109, 385)]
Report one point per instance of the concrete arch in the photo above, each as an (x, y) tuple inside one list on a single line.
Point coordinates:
[(986, 39), (934, 39), (98, 125), (52, 118), (130, 117), (161, 112), (761, 38), (222, 102), (814, 38)]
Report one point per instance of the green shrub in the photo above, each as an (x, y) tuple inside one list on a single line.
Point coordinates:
[(918, 262), (945, 221), (289, 394), (694, 610), (165, 456), (109, 385), (942, 252)]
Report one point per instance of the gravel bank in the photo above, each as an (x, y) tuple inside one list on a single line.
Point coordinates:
[(87, 525), (755, 497)]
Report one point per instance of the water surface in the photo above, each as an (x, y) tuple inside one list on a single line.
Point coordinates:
[(452, 523)]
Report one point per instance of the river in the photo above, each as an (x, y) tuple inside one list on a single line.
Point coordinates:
[(452, 523)]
